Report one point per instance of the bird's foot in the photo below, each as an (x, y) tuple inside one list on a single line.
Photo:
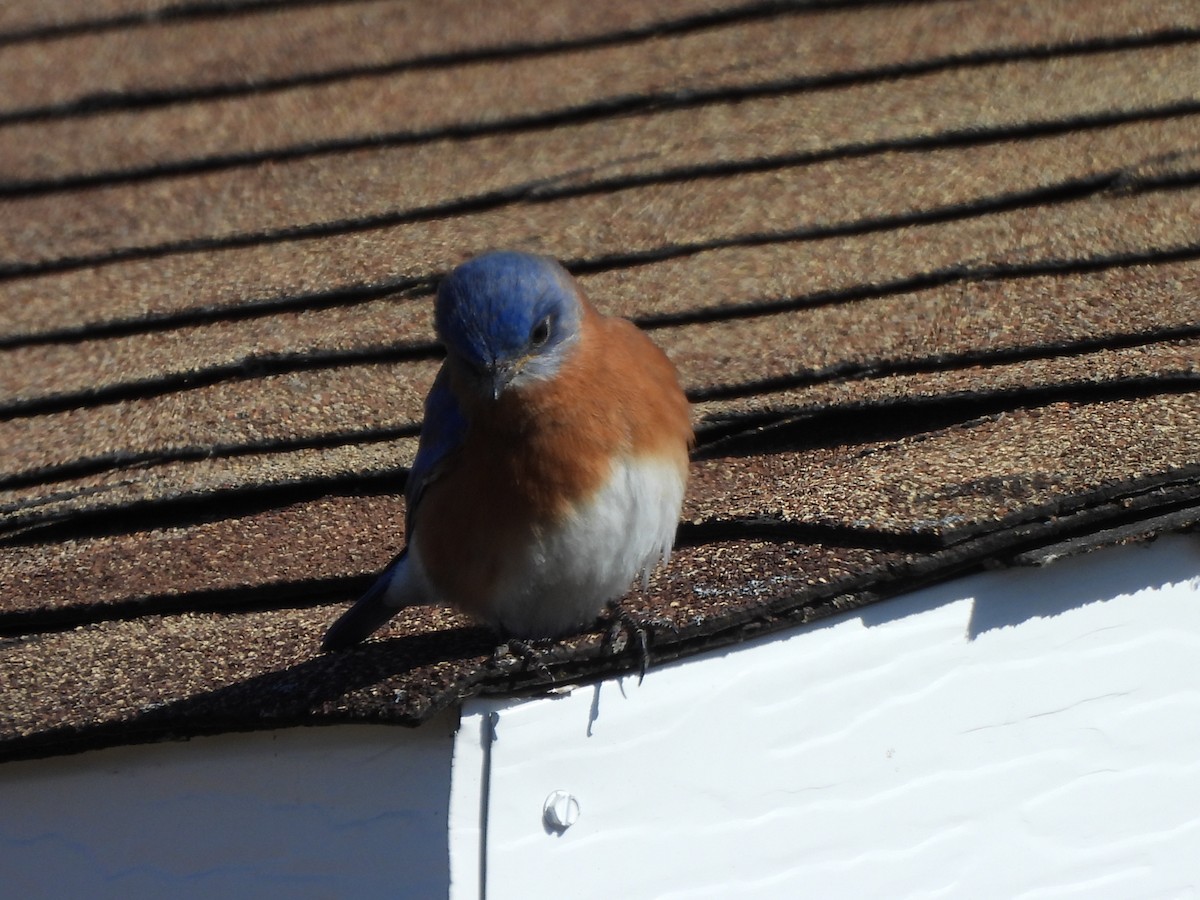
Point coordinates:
[(517, 655), (640, 628)]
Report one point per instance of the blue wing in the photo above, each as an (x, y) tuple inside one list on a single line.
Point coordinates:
[(370, 611), (441, 435)]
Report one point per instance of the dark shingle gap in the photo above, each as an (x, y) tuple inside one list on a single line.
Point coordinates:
[(546, 190), (923, 281), (457, 207), (423, 286), (115, 101), (766, 528), (294, 695), (149, 323), (226, 8), (260, 366), (986, 551), (309, 592), (755, 434), (169, 12), (620, 105), (26, 525), (477, 203), (1048, 195), (243, 598), (1137, 530), (1067, 189), (320, 689), (803, 428), (121, 100), (718, 436), (894, 574), (110, 462), (943, 362), (1085, 512), (248, 368)]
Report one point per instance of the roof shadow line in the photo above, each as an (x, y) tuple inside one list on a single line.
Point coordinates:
[(923, 281), (617, 105), (285, 363), (846, 372), (738, 435), (944, 362), (871, 369), (795, 429), (294, 594), (195, 507), (126, 100), (767, 528), (809, 427), (185, 11), (942, 140), (124, 460), (353, 295), (175, 12), (420, 285), (289, 234), (108, 102), (247, 368), (1067, 189)]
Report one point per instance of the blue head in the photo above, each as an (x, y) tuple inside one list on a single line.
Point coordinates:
[(508, 319)]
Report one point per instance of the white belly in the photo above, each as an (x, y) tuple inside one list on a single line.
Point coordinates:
[(594, 556)]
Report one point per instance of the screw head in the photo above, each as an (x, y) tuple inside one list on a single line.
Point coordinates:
[(560, 811)]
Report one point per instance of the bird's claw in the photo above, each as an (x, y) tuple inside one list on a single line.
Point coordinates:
[(640, 629), (517, 655)]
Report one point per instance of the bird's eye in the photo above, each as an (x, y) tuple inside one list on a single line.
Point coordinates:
[(540, 333)]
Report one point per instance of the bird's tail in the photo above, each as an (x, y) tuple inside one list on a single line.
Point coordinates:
[(369, 613)]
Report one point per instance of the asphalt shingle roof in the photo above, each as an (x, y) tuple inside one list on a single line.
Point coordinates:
[(930, 272)]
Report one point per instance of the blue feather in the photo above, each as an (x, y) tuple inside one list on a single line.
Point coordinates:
[(489, 307), (506, 319), (442, 433), (369, 612)]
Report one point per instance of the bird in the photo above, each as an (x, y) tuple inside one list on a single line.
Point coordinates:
[(552, 461)]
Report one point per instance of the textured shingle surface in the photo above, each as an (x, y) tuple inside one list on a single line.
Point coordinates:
[(930, 272)]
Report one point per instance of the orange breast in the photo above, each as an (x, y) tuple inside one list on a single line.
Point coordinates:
[(529, 458)]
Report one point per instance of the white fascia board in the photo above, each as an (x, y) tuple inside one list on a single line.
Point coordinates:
[(339, 811), (1030, 732), (468, 806)]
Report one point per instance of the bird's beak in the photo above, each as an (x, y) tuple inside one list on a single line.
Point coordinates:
[(501, 375)]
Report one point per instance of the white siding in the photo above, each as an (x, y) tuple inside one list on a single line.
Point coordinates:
[(317, 812), (1032, 733)]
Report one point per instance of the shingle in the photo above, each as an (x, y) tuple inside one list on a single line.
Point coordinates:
[(190, 53), (929, 271), (953, 480), (269, 198), (293, 551), (187, 476)]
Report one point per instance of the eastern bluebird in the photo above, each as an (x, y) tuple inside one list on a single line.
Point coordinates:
[(552, 461)]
